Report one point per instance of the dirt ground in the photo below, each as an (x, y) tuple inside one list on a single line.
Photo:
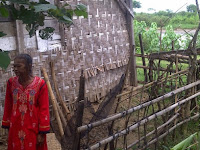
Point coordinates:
[(52, 143)]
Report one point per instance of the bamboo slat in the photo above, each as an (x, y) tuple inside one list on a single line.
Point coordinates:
[(143, 59)]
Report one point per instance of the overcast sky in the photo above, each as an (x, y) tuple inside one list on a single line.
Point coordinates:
[(173, 5)]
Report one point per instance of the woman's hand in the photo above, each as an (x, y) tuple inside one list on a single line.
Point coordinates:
[(40, 139)]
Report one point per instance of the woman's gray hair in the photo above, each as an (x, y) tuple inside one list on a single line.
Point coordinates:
[(28, 61)]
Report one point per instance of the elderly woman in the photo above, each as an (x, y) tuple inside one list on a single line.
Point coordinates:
[(26, 111)]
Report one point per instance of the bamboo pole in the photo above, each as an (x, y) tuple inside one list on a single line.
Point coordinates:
[(176, 96), (161, 69), (127, 121), (170, 130), (151, 83), (140, 55), (132, 58), (130, 11), (66, 110), (158, 54), (180, 56), (164, 56), (152, 132), (53, 101), (143, 59), (20, 45), (132, 127), (133, 109), (172, 45), (62, 117), (176, 82)]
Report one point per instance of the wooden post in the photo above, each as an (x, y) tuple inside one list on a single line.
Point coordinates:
[(160, 38), (176, 96), (172, 45), (79, 117), (133, 71), (20, 37), (53, 101), (143, 59), (151, 70), (176, 83)]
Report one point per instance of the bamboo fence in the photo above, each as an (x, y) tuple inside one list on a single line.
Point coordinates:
[(149, 105)]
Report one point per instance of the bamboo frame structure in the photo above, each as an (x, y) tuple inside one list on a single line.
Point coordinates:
[(124, 113), (159, 128), (132, 127), (171, 129)]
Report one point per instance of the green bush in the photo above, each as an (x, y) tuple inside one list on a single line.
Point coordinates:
[(182, 19), (151, 38)]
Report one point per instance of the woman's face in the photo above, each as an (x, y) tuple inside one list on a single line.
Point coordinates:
[(19, 67)]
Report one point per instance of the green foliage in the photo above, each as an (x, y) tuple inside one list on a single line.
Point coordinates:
[(186, 19), (33, 14), (4, 59), (3, 11), (151, 38), (44, 7), (167, 13), (46, 33), (139, 28), (81, 10), (188, 39), (144, 17), (2, 34), (136, 4), (181, 19), (192, 8), (168, 37), (192, 141)]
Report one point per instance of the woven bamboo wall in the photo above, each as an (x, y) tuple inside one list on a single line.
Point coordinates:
[(99, 45)]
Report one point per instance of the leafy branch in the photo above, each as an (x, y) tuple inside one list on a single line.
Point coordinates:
[(33, 14)]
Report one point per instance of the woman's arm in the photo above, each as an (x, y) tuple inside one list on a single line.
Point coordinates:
[(7, 106), (43, 101)]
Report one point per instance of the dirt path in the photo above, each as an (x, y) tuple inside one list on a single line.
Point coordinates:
[(52, 143)]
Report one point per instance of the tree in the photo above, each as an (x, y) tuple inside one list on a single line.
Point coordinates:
[(192, 8), (33, 14), (136, 4), (169, 11), (151, 9)]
